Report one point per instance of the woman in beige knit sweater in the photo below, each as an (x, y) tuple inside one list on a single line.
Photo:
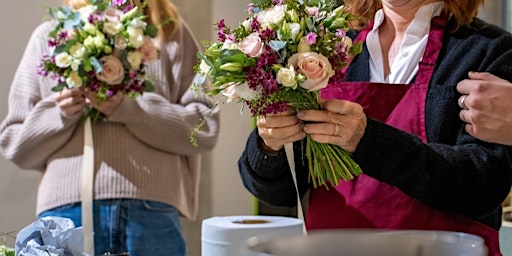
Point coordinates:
[(146, 170)]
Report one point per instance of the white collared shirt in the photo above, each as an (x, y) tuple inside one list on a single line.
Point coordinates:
[(405, 64)]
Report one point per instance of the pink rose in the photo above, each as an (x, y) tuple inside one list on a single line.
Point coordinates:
[(315, 67), (251, 45), (113, 14), (113, 71), (148, 50)]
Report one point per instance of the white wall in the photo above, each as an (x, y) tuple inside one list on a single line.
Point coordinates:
[(17, 188), (222, 192)]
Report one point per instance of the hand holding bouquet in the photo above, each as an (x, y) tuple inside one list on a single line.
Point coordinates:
[(102, 48), (281, 56)]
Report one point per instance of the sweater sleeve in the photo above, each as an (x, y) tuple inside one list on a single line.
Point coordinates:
[(34, 127), (165, 122)]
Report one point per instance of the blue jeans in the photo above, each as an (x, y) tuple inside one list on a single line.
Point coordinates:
[(139, 227)]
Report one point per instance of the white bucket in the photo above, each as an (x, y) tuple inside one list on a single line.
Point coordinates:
[(372, 242)]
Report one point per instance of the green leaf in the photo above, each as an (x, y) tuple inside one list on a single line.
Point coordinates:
[(148, 86), (151, 30)]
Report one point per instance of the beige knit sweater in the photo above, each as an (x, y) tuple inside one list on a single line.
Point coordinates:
[(141, 152)]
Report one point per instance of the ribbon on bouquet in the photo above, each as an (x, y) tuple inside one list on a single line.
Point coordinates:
[(288, 148), (88, 188)]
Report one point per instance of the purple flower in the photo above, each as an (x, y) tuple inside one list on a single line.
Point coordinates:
[(42, 72), (52, 43), (311, 38), (255, 25), (118, 2), (132, 74), (250, 8), (341, 33), (109, 93)]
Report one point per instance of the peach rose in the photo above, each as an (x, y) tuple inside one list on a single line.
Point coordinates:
[(148, 50), (113, 71), (251, 45), (315, 67)]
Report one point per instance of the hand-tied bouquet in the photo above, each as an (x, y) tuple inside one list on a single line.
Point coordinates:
[(103, 47), (4, 250), (281, 56)]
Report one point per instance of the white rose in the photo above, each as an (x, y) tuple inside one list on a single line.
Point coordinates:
[(99, 40), (90, 28), (63, 60), (74, 80), (89, 42), (272, 15), (112, 28), (294, 29), (75, 65), (286, 77), (119, 42), (138, 23), (135, 59), (78, 51), (135, 36)]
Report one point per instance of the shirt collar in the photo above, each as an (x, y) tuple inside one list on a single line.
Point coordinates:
[(423, 15)]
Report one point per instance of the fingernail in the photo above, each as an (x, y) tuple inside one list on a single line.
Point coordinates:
[(300, 114)]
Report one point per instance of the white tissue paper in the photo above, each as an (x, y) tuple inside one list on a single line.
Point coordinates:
[(50, 236)]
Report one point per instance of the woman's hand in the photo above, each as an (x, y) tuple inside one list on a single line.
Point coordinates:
[(277, 130), (340, 122), (70, 101), (486, 107), (106, 107)]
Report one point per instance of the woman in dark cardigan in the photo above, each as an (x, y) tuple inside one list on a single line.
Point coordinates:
[(421, 169)]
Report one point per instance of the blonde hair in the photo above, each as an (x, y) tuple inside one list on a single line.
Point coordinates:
[(161, 13), (463, 11)]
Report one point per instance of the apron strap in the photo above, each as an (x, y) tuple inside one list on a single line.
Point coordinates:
[(88, 189)]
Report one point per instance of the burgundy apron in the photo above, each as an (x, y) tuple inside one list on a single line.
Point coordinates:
[(368, 203)]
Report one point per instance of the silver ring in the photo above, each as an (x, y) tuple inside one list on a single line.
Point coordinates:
[(336, 130), (462, 99)]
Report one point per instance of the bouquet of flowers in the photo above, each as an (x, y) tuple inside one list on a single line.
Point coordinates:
[(103, 47), (4, 250), (281, 55)]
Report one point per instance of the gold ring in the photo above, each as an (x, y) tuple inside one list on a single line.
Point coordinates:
[(462, 99), (336, 130)]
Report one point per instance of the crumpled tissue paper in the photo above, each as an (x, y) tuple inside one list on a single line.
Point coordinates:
[(50, 236)]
